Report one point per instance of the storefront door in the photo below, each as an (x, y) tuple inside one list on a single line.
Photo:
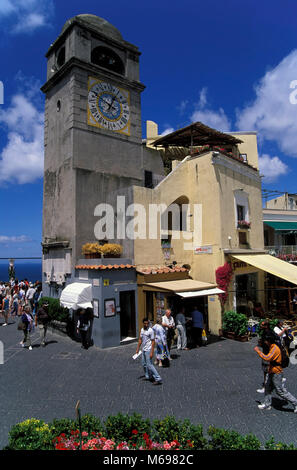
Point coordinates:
[(128, 319), (246, 289)]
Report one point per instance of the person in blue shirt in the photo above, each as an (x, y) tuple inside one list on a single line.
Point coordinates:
[(197, 326)]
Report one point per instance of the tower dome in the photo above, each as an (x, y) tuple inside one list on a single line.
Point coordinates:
[(97, 23)]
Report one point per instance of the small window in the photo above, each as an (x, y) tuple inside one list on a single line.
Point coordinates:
[(108, 59), (61, 57), (240, 212), (148, 179)]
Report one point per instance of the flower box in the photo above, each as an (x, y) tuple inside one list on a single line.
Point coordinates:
[(243, 224)]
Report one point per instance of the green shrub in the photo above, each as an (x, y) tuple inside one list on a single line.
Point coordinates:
[(62, 426), (121, 427), (32, 434), (188, 435), (235, 322), (55, 310), (90, 423), (222, 439), (272, 445)]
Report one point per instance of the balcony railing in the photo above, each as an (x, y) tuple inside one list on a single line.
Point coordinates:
[(285, 252)]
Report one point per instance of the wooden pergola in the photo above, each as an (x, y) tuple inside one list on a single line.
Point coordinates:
[(196, 135)]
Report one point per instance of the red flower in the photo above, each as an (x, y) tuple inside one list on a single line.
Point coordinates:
[(134, 431)]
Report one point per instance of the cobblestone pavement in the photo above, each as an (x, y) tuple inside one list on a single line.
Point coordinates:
[(213, 385)]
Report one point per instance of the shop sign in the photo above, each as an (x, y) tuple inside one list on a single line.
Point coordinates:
[(106, 282), (238, 264), (202, 250)]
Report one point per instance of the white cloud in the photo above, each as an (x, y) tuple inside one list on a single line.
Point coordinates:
[(14, 239), (27, 15), (30, 22), (182, 106), (216, 119), (6, 7), (271, 168), (168, 130), (21, 160), (272, 113)]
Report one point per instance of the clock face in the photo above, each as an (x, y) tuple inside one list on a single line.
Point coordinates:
[(108, 106)]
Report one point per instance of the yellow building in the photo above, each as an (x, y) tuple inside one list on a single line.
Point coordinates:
[(214, 188)]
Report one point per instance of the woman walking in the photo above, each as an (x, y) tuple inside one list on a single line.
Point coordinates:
[(5, 308), (27, 320)]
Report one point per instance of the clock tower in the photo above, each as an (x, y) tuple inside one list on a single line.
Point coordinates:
[(93, 135)]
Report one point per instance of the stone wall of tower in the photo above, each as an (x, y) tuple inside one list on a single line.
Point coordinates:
[(86, 165)]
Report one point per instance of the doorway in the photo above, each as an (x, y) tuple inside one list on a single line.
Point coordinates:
[(246, 289), (127, 315)]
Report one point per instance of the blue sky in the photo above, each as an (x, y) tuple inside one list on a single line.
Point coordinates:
[(228, 64)]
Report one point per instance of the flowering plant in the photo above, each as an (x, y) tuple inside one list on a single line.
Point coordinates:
[(243, 224), (112, 249), (90, 248), (95, 441), (223, 277)]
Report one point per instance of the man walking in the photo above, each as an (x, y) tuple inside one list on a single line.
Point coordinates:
[(275, 375), (147, 343), (197, 326), (42, 319)]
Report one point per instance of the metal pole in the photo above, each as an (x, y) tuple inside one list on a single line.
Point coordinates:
[(77, 409)]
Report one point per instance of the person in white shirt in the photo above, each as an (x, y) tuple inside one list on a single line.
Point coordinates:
[(281, 331), (30, 295), (169, 326), (147, 343)]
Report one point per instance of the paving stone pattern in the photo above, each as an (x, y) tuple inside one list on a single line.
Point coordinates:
[(213, 385)]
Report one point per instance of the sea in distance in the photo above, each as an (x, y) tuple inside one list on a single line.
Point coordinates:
[(23, 270)]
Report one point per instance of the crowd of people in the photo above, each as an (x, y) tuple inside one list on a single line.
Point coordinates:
[(273, 349), (20, 301), (157, 340)]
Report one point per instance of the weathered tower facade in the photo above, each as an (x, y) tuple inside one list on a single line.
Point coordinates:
[(93, 136)]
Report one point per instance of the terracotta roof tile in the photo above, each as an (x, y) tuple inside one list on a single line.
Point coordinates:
[(161, 270), (104, 266)]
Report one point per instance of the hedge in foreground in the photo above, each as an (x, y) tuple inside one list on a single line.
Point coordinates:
[(131, 432)]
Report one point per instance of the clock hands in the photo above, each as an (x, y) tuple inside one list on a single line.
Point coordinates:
[(113, 99)]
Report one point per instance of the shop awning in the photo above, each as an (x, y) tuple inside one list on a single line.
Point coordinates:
[(200, 293), (77, 295), (180, 286), (282, 225), (271, 265)]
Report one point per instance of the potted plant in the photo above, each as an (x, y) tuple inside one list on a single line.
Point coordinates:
[(243, 224), (92, 250), (235, 326), (111, 250)]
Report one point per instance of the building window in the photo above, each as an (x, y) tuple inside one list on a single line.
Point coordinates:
[(61, 57), (176, 216), (241, 207), (240, 212), (148, 179), (108, 59)]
